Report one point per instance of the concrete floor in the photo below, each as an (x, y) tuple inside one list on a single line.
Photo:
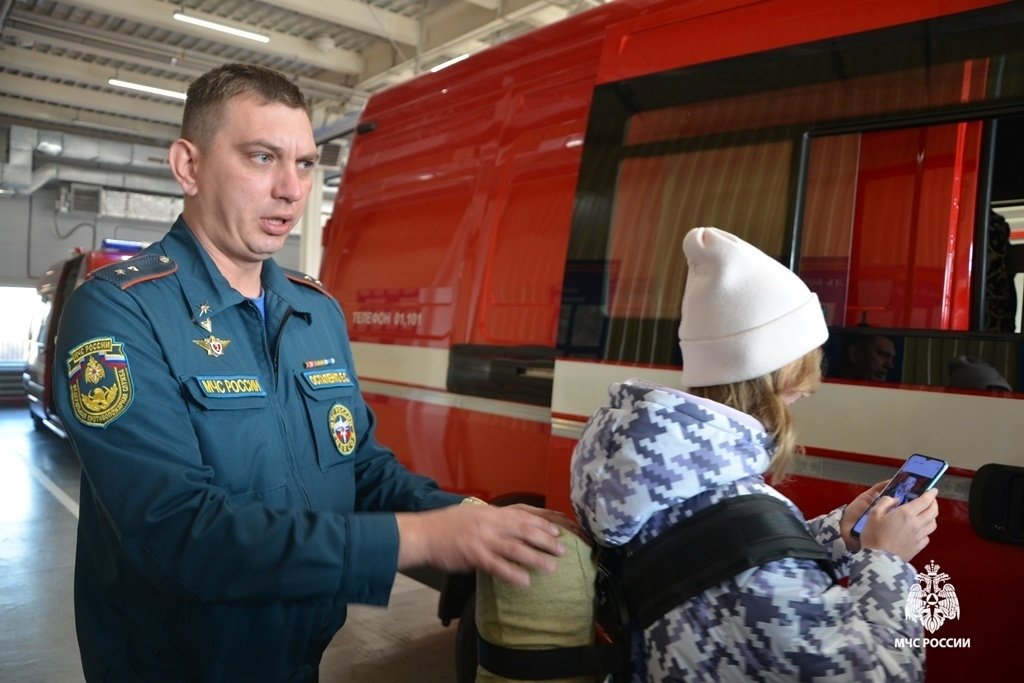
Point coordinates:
[(39, 481)]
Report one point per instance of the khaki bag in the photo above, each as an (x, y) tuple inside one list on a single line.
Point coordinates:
[(555, 610)]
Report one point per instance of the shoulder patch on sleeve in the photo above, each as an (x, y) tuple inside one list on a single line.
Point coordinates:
[(307, 280), (137, 269), (100, 383)]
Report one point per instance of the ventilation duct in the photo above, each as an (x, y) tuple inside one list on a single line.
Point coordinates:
[(132, 160), (16, 171)]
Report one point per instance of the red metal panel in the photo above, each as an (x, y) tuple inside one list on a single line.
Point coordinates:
[(529, 216), (715, 29), (431, 215), (471, 452)]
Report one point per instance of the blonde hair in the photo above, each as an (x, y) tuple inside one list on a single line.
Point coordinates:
[(764, 398)]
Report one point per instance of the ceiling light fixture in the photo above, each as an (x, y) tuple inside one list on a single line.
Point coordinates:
[(324, 43), (224, 28), (49, 148), (147, 88), (445, 65)]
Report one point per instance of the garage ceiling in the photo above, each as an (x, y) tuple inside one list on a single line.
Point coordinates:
[(57, 58)]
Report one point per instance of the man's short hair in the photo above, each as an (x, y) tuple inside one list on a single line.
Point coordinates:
[(210, 92)]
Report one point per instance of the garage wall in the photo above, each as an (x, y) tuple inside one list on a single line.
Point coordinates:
[(34, 234)]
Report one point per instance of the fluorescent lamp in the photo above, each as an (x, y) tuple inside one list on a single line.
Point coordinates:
[(445, 65), (258, 37), (147, 88), (49, 148)]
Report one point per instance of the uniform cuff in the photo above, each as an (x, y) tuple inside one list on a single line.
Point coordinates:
[(372, 559)]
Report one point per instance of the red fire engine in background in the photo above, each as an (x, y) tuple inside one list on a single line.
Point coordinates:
[(506, 243), (54, 288)]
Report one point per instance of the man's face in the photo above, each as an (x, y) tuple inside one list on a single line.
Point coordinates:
[(878, 359), (252, 180)]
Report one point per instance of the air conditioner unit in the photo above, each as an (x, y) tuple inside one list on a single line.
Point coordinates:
[(79, 198)]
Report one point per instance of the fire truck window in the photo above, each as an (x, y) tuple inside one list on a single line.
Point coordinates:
[(862, 164), (658, 199), (889, 226)]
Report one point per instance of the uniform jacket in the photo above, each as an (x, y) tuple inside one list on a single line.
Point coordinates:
[(234, 498), (655, 456)]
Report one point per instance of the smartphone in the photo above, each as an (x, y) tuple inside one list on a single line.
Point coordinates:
[(918, 474)]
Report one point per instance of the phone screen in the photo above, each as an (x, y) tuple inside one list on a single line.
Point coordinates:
[(918, 474)]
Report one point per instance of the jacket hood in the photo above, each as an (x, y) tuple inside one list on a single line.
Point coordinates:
[(652, 447)]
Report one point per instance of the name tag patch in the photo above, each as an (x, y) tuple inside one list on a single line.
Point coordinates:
[(230, 386), (324, 379)]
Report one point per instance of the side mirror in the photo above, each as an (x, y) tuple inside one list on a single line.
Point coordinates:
[(996, 503)]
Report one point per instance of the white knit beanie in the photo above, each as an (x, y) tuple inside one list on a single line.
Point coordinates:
[(744, 313)]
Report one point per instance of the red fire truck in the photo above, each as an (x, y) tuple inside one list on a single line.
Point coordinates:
[(54, 288), (506, 243)]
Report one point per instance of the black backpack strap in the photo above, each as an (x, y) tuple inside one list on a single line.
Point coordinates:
[(713, 545), (599, 659)]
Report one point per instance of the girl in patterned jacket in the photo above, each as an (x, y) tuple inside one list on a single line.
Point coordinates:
[(750, 335)]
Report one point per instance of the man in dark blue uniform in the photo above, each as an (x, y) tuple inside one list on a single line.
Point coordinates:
[(234, 498)]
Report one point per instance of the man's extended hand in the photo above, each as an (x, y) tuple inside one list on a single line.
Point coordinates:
[(504, 541)]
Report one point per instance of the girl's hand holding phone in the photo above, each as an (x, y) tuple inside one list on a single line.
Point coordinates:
[(901, 529), (857, 507), (918, 474)]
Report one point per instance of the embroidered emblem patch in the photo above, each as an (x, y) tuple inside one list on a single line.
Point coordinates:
[(100, 383), (343, 429), (213, 346)]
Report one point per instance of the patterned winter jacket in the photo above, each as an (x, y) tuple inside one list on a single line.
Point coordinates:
[(656, 455)]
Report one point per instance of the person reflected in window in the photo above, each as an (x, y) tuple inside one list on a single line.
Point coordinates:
[(868, 357), (968, 372), (1000, 293)]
